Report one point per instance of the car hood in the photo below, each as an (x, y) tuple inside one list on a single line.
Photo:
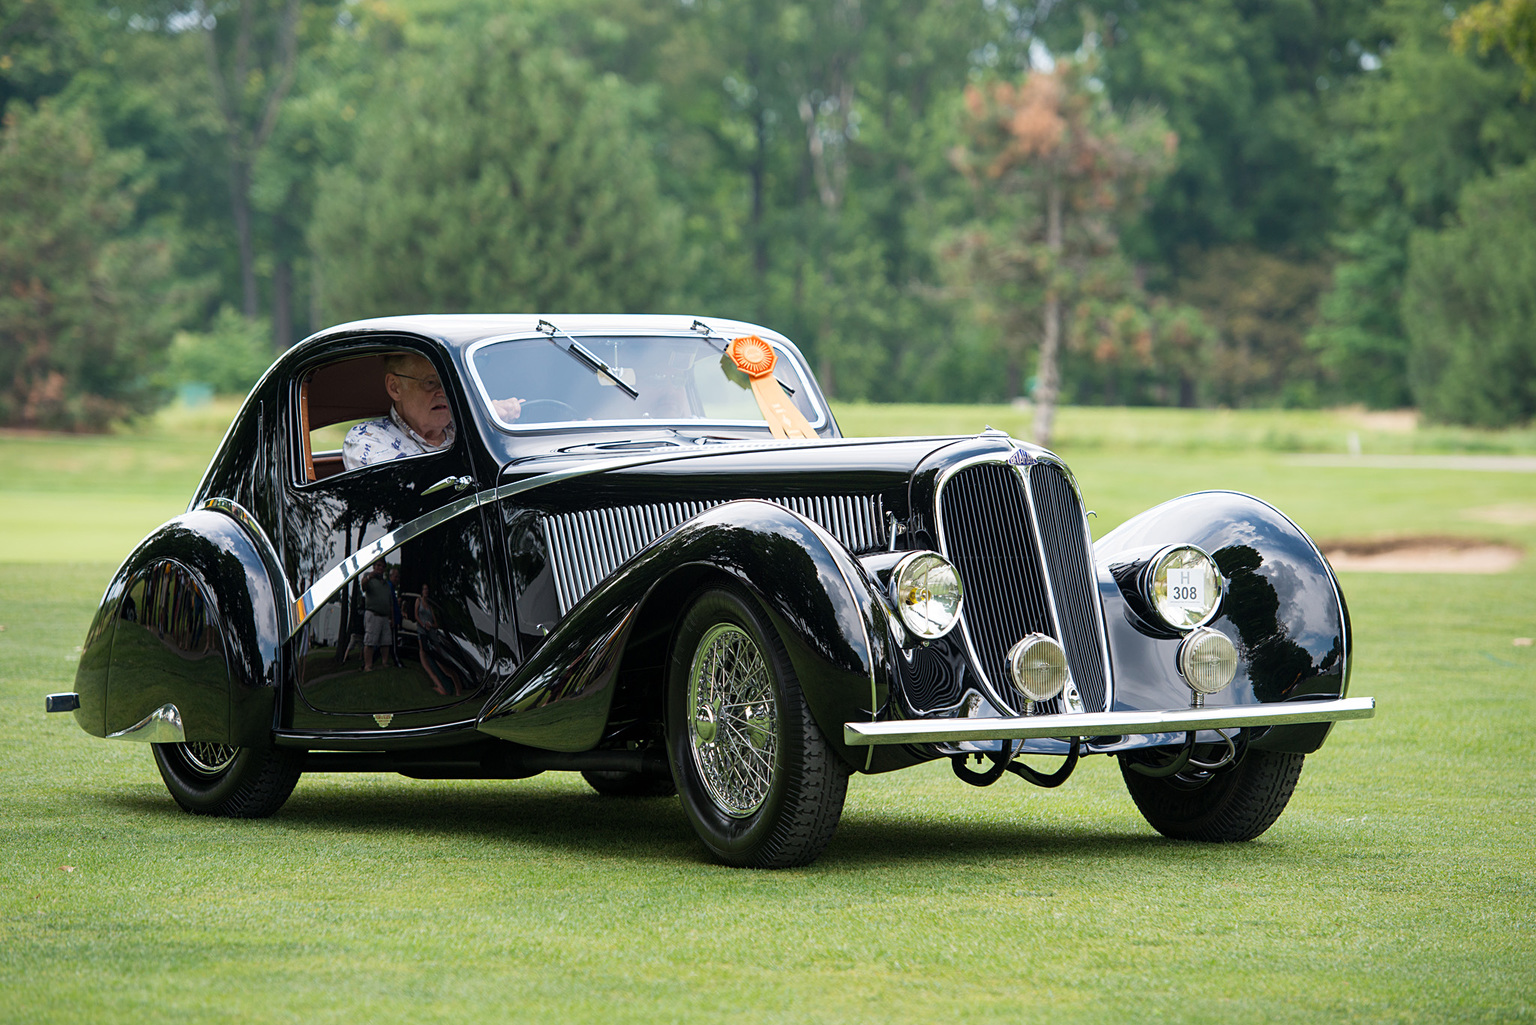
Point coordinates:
[(734, 469)]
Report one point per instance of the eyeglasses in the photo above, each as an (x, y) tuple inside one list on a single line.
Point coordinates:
[(430, 385)]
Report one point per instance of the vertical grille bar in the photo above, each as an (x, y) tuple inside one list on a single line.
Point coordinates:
[(989, 537)]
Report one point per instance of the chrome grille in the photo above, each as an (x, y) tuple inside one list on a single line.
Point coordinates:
[(585, 547), (1069, 564), (1016, 585)]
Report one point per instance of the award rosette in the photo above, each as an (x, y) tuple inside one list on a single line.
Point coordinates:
[(756, 358)]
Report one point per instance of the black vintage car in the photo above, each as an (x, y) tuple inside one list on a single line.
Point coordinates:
[(648, 555)]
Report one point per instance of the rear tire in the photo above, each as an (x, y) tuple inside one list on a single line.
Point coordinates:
[(1231, 804), (610, 783), (234, 782), (759, 782)]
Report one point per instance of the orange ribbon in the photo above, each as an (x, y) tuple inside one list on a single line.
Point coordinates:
[(756, 358)]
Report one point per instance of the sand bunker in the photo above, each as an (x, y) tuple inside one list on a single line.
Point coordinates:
[(1421, 555)]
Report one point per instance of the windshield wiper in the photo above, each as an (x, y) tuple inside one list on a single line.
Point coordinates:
[(709, 335), (581, 354)]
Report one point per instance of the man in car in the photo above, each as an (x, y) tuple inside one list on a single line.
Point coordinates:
[(419, 420)]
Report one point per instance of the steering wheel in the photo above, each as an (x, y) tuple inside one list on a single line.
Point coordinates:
[(555, 403)]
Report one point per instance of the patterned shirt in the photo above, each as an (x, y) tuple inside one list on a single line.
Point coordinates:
[(389, 437)]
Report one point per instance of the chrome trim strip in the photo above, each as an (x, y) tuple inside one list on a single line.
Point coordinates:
[(162, 726), (323, 736), (1102, 724), (242, 516)]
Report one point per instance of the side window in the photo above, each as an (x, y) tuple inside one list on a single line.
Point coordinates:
[(359, 391)]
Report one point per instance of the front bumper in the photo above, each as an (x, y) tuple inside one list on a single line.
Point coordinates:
[(1104, 724)]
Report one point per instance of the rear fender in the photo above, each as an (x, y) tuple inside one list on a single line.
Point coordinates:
[(189, 620)]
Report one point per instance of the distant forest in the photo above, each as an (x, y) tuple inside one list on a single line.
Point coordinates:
[(1188, 202)]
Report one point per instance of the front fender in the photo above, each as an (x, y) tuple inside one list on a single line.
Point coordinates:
[(1282, 608), (813, 591), (190, 620)]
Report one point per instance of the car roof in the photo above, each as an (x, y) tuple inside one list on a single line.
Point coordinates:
[(463, 329)]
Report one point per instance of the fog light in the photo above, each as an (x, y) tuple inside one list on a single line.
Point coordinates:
[(1038, 667), (925, 588), (1183, 586), (1207, 660)]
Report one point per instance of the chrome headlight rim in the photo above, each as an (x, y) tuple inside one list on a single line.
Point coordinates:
[(903, 576), (1202, 649), (1156, 569), (1039, 652)]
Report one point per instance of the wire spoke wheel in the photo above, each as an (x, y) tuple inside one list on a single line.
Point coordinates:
[(208, 758), (734, 719), (759, 782)]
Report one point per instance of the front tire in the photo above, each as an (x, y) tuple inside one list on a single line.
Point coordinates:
[(759, 782), (1225, 805), (234, 782)]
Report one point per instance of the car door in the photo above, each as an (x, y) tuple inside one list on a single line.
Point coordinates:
[(413, 520)]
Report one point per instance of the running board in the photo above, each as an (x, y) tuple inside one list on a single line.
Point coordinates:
[(1104, 724)]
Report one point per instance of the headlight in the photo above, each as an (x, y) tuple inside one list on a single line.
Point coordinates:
[(925, 588), (1183, 586), (1208, 660), (1038, 667)]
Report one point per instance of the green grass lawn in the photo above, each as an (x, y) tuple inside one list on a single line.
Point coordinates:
[(1400, 885)]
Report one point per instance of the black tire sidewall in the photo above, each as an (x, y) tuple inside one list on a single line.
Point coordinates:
[(1236, 804), (253, 785)]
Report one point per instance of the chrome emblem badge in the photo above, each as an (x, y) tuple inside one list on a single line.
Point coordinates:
[(1019, 457), (383, 718)]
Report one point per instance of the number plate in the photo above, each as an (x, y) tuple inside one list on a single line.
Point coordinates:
[(1186, 588)]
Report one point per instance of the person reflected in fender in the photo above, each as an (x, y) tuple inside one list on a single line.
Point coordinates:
[(378, 614), (430, 634), (419, 421)]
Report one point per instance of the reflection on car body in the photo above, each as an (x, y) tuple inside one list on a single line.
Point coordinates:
[(666, 569)]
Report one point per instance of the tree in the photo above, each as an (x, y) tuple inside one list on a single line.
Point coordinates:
[(1245, 86), (1406, 138), (1510, 24), (87, 301), (1061, 173), (252, 54), (1470, 308), (500, 175)]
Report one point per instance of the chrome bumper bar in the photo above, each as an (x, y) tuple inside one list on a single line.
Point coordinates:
[(1104, 724)]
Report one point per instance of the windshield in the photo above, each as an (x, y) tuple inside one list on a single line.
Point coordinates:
[(529, 382)]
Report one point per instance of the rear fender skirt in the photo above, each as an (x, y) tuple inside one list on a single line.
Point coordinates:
[(815, 593), (135, 661), (1281, 607)]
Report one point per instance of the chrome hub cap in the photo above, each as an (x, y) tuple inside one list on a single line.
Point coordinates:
[(208, 758), (733, 719)]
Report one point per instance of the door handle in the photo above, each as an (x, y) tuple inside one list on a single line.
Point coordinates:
[(456, 483)]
